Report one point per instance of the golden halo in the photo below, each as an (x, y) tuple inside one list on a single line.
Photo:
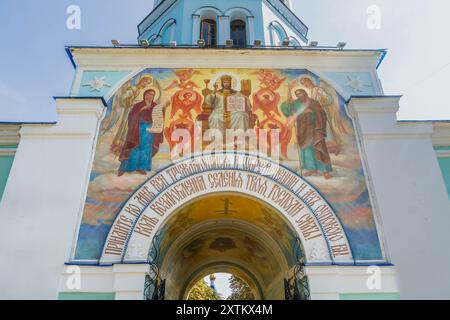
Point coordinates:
[(157, 93), (298, 87), (143, 77), (307, 77)]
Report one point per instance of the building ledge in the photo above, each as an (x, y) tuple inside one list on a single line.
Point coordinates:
[(79, 54), (61, 98), (9, 134)]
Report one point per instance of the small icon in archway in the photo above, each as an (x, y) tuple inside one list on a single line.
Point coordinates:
[(223, 244)]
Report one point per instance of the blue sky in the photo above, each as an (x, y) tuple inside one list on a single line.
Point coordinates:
[(34, 66)]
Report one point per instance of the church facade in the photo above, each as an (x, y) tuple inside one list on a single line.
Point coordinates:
[(225, 142)]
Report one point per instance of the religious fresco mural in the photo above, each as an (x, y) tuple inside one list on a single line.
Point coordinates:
[(316, 140)]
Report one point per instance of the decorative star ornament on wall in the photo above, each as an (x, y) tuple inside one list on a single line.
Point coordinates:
[(97, 84), (356, 83)]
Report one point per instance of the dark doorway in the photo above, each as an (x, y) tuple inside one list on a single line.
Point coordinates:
[(209, 32), (238, 33)]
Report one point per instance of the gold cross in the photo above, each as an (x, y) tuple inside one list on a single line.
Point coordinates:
[(226, 211)]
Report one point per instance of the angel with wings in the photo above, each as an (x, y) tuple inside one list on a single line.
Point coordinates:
[(136, 119), (184, 80), (186, 98), (266, 98), (186, 104), (188, 101), (125, 98), (327, 97), (269, 80)]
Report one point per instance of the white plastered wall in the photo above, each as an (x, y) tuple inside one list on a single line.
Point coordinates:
[(411, 196), (41, 205)]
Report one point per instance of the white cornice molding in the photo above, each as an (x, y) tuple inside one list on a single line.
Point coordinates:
[(352, 270), (395, 136), (441, 134), (76, 116), (398, 130), (376, 104), (6, 152), (56, 136), (46, 132), (131, 268), (377, 118), (98, 112), (79, 106), (132, 58), (9, 134)]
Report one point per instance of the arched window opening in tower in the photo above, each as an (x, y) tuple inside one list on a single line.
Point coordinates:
[(209, 32), (238, 33)]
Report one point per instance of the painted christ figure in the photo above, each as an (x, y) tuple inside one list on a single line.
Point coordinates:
[(232, 102), (141, 145), (311, 122)]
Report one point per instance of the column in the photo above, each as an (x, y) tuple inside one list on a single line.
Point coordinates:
[(195, 28), (173, 28), (223, 31), (271, 36), (129, 281), (251, 30)]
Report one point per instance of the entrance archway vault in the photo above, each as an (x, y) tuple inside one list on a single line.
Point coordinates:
[(251, 241), (229, 185)]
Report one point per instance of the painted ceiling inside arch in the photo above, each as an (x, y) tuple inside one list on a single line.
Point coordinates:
[(316, 140), (247, 247)]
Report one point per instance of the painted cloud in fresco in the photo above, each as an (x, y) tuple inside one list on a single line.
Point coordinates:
[(123, 162)]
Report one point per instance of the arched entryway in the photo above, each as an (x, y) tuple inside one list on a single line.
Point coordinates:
[(228, 232), (229, 209)]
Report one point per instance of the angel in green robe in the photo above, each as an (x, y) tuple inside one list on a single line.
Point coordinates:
[(311, 123)]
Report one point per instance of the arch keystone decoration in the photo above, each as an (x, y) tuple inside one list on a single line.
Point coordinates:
[(317, 225)]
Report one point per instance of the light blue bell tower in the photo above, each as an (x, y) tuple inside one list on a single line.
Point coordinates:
[(218, 23)]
